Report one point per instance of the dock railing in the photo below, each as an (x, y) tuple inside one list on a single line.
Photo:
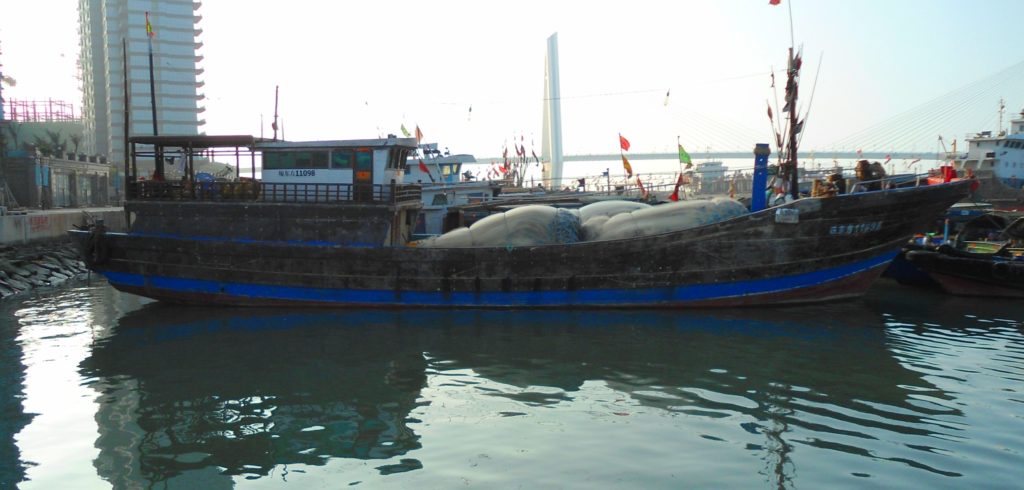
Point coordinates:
[(254, 191)]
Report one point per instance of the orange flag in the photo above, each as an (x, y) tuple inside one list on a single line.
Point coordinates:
[(627, 166), (419, 135)]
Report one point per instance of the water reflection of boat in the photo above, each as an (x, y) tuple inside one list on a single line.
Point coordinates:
[(248, 391)]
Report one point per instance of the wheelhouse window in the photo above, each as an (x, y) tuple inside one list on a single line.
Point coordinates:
[(397, 157), (364, 159), (274, 160), (342, 159)]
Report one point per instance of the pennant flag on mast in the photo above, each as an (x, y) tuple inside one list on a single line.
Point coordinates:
[(643, 192), (405, 132), (623, 142), (667, 92), (149, 27), (774, 2), (627, 166), (684, 157), (419, 135)]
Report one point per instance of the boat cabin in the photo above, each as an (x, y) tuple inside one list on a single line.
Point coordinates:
[(438, 168), (363, 164), (353, 189)]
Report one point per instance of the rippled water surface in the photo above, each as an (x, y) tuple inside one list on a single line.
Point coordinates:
[(903, 389)]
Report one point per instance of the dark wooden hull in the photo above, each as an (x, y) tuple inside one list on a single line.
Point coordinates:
[(972, 274), (837, 249)]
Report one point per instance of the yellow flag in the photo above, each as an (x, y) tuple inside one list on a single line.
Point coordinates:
[(627, 166), (149, 27)]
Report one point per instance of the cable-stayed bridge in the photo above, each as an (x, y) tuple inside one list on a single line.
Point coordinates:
[(923, 131)]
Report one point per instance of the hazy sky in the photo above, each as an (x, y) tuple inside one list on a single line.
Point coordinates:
[(356, 69)]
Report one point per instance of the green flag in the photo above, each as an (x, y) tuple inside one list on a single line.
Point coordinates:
[(405, 132), (684, 157)]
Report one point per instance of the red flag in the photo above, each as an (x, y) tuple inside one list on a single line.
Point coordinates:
[(424, 169), (675, 192), (623, 142), (419, 135), (774, 2), (643, 192), (887, 158)]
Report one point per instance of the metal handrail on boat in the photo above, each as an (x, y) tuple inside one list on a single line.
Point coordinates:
[(252, 191)]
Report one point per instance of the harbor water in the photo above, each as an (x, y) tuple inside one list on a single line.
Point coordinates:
[(904, 388)]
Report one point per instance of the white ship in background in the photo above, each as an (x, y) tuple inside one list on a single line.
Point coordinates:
[(997, 161)]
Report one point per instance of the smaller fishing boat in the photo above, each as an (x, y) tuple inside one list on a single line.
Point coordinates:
[(444, 186), (985, 259), (943, 230)]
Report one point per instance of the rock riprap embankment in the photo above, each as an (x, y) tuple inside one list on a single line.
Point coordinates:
[(32, 266)]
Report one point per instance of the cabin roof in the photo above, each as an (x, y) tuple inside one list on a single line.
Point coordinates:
[(196, 140), (375, 143)]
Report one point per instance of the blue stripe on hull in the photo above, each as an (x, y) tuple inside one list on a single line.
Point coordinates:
[(254, 293)]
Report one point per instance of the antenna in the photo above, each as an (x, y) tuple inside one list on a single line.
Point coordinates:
[(273, 125), (1002, 109)]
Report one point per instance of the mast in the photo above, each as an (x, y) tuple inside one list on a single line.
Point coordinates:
[(158, 167), (792, 89), (127, 108)]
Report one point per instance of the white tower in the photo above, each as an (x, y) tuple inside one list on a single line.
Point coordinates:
[(551, 141)]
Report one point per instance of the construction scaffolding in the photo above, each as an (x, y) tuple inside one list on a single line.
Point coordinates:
[(39, 111)]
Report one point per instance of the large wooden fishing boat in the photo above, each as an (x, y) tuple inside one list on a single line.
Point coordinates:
[(329, 224)]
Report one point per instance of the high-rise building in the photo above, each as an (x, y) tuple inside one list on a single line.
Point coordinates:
[(105, 25)]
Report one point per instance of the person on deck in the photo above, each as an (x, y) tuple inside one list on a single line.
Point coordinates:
[(865, 178), (878, 173)]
